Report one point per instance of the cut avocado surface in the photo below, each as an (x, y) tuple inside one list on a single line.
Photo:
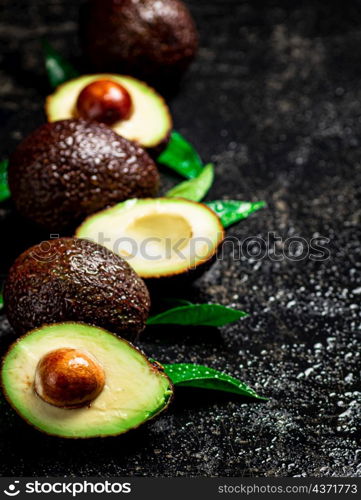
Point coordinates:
[(158, 237), (149, 123), (134, 391)]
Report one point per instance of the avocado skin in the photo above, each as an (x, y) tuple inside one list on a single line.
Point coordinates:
[(71, 279), (152, 39), (180, 282), (69, 169), (155, 151)]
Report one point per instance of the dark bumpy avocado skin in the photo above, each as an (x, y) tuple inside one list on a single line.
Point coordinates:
[(71, 279), (69, 169), (153, 39)]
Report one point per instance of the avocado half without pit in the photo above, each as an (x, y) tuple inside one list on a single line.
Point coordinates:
[(159, 237), (68, 169), (129, 106), (77, 381), (70, 279)]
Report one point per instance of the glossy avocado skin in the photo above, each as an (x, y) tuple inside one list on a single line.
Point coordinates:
[(69, 169), (180, 282), (71, 279), (153, 39)]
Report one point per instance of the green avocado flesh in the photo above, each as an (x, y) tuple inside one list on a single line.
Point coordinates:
[(158, 237), (135, 390), (149, 123)]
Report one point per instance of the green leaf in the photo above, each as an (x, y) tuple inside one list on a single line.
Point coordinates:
[(58, 69), (4, 186), (181, 157), (203, 377), (194, 189), (1, 301), (198, 315), (232, 211)]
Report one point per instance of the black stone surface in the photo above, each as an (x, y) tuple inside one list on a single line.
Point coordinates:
[(274, 99)]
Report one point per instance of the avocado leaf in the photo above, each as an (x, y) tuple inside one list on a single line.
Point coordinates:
[(198, 315), (181, 157), (4, 186), (232, 211), (194, 189), (203, 377), (58, 69)]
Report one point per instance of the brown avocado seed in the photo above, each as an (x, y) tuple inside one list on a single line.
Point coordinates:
[(68, 378), (104, 101)]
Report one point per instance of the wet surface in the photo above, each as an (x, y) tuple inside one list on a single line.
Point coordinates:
[(274, 99)]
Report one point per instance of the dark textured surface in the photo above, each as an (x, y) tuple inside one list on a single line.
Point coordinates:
[(274, 98), (70, 279), (66, 170)]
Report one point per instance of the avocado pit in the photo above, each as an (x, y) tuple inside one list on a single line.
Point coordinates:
[(68, 378), (104, 101)]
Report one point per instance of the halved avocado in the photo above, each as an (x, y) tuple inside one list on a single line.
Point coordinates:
[(159, 237), (132, 390), (149, 123)]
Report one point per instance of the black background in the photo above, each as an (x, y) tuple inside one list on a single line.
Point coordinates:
[(274, 99)]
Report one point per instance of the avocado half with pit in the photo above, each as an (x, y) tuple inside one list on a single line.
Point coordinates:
[(148, 121), (77, 381), (159, 237)]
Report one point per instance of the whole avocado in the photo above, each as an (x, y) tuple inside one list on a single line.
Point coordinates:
[(154, 39), (71, 279), (69, 169)]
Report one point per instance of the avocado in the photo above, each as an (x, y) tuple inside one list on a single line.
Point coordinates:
[(73, 380), (152, 39), (147, 120), (69, 169), (69, 279), (159, 237)]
